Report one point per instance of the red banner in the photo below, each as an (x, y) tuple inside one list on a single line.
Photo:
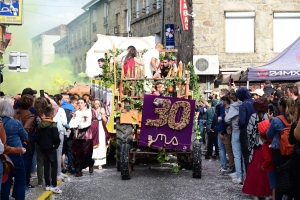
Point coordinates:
[(184, 14)]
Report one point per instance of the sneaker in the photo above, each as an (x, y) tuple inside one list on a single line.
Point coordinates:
[(63, 175), (222, 170), (232, 175), (229, 171), (47, 188), (56, 190), (237, 180)]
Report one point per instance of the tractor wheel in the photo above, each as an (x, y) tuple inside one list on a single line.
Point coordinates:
[(185, 161), (125, 162), (197, 162), (118, 150), (124, 136)]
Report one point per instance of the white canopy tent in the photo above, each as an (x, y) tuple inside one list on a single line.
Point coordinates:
[(105, 43)]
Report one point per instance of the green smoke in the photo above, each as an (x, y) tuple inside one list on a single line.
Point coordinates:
[(50, 77)]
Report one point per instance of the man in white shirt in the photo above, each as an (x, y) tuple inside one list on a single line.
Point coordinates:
[(150, 59)]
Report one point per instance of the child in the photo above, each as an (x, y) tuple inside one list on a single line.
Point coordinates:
[(267, 164), (47, 137)]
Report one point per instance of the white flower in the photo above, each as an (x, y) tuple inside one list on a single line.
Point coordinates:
[(169, 33)]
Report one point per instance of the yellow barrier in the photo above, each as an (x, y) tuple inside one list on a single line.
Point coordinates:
[(47, 195)]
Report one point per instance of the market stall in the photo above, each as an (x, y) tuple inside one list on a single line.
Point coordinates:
[(284, 67)]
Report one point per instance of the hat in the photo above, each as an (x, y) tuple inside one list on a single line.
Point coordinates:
[(29, 91), (259, 92), (261, 104)]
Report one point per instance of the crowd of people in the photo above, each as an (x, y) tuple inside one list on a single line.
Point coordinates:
[(47, 137), (253, 134)]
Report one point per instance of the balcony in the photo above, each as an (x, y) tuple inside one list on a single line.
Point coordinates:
[(94, 26), (105, 20)]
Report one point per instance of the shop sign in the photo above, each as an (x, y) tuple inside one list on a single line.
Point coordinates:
[(11, 12), (184, 14)]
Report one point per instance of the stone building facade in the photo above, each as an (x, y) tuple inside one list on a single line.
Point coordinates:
[(78, 41), (61, 48), (213, 29)]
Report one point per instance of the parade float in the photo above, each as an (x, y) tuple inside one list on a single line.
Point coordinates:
[(146, 124)]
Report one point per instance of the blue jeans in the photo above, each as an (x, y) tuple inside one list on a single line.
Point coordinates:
[(237, 153), (202, 134), (222, 151), (19, 184), (33, 165)]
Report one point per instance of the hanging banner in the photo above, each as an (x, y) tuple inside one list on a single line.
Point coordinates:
[(184, 14), (170, 36), (11, 12), (167, 122), (109, 108)]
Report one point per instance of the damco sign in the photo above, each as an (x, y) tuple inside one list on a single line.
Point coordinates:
[(184, 13)]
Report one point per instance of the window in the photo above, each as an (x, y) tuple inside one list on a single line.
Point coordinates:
[(239, 30), (158, 4), (118, 23), (94, 16), (286, 28), (137, 8), (147, 6)]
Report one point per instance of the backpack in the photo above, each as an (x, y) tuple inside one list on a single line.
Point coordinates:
[(286, 148)]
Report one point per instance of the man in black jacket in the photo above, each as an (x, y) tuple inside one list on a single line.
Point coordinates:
[(268, 90)]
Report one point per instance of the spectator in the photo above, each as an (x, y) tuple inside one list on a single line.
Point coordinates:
[(257, 93), (245, 112), (256, 182), (255, 87), (202, 108), (286, 108), (232, 119), (212, 136), (226, 137), (214, 99), (268, 89), (295, 159), (293, 92), (27, 119), (220, 111), (165, 67), (13, 147), (40, 105), (69, 108), (47, 137), (62, 123)]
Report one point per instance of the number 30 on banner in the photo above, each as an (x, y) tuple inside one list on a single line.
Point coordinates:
[(167, 114)]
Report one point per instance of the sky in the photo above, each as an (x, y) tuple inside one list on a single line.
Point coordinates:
[(40, 16)]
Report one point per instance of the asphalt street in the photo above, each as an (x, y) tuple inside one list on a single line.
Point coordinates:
[(150, 182)]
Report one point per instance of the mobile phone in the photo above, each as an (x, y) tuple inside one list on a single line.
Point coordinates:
[(271, 109), (231, 81), (42, 93)]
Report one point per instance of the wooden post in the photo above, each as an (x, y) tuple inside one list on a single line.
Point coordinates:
[(115, 71)]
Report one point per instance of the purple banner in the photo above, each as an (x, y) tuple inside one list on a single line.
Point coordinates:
[(167, 122)]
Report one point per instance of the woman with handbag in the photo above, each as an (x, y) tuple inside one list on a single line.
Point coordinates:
[(82, 146), (13, 147)]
